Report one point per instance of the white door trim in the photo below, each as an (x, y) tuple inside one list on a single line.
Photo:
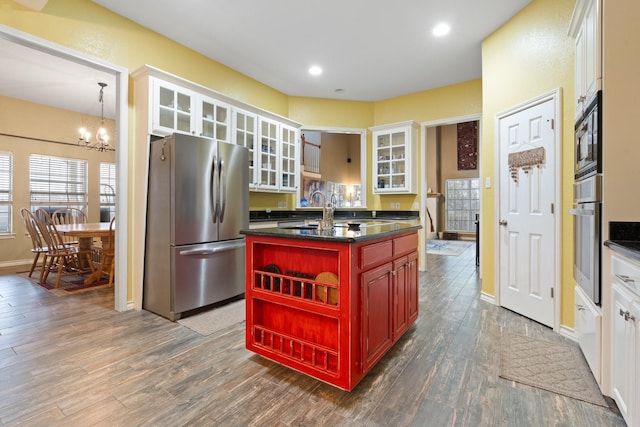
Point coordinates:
[(422, 255), (363, 155), (555, 96), (122, 130)]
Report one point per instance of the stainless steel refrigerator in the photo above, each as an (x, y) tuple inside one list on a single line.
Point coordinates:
[(197, 204)]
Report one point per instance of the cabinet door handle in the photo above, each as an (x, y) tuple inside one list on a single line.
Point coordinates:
[(581, 307), (627, 315), (625, 278)]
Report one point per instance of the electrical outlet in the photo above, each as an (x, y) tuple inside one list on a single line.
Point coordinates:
[(393, 205), (487, 182), (416, 205), (282, 205)]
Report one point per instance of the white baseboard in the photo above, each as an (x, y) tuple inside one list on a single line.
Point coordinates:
[(565, 331), (488, 298)]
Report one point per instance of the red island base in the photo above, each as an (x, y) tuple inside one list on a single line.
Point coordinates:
[(330, 309)]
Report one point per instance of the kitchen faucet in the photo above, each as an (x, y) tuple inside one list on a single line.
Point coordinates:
[(327, 211)]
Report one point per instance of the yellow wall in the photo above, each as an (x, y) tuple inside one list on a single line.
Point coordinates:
[(21, 125), (530, 55)]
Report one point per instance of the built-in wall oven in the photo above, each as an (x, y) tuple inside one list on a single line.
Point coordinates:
[(587, 234), (588, 200), (588, 141)]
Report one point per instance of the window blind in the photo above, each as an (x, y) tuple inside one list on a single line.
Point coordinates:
[(107, 191), (6, 191), (56, 183)]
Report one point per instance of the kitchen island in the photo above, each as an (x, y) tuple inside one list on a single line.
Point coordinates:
[(330, 303)]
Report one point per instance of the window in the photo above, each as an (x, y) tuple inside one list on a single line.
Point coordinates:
[(6, 192), (107, 191), (56, 183), (463, 203)]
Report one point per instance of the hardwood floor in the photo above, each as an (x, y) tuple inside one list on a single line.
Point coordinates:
[(74, 361)]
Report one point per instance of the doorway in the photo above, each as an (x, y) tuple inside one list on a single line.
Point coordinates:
[(121, 75), (427, 176), (527, 153)]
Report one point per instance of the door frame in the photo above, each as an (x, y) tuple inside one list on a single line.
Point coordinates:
[(422, 245), (122, 134), (555, 96)]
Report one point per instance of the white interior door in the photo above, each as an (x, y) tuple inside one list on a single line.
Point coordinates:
[(527, 171)]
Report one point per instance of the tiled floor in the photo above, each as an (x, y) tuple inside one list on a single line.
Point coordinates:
[(75, 361)]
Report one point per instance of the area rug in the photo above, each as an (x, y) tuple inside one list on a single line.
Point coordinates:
[(216, 319), (69, 285), (555, 367), (447, 247)]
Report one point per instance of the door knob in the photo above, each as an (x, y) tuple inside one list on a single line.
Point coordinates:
[(503, 222)]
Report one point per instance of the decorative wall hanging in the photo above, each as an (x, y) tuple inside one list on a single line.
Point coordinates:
[(526, 160), (468, 145)]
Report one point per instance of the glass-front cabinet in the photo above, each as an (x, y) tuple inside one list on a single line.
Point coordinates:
[(172, 109), (394, 159), (245, 125), (176, 105), (213, 119), (288, 158), (268, 156)]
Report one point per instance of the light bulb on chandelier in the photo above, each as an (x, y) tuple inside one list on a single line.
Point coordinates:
[(101, 142)]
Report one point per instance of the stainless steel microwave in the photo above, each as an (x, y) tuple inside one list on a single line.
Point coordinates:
[(588, 140)]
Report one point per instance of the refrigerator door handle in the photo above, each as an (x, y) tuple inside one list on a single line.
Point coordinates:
[(214, 249), (214, 189), (223, 189)]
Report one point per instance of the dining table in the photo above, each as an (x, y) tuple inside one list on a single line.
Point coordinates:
[(85, 233)]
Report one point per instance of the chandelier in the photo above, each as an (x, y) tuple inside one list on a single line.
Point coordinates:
[(101, 141)]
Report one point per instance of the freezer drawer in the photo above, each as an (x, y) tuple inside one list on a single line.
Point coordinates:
[(207, 273)]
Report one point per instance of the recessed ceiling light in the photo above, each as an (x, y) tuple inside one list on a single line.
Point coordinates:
[(442, 29), (315, 70)]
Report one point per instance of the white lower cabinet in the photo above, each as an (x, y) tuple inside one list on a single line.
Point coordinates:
[(588, 331), (626, 339)]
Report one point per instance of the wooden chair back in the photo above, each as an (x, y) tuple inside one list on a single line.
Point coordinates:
[(37, 242), (64, 259), (69, 216)]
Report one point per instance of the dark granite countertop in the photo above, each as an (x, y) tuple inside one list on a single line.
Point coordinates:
[(628, 248), (339, 215), (624, 238), (367, 231)]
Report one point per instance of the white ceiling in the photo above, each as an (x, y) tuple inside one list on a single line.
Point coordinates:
[(40, 77), (371, 49)]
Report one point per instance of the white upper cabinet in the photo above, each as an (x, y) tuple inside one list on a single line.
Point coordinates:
[(268, 156), (172, 109), (289, 158), (213, 119), (586, 28), (176, 105), (394, 159), (245, 127), (177, 109), (277, 161)]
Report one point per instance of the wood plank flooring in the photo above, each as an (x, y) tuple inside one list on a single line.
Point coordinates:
[(74, 361)]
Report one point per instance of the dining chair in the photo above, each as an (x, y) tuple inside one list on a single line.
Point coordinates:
[(104, 256), (63, 259), (69, 216), (38, 247)]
